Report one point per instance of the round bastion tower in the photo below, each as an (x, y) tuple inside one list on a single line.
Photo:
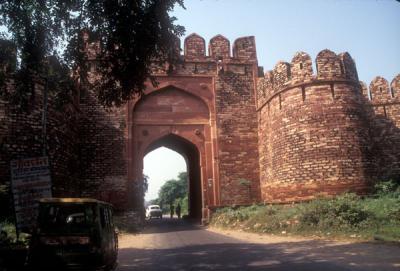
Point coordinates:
[(313, 129)]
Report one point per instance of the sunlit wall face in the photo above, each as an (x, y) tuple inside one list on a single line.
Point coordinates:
[(161, 165)]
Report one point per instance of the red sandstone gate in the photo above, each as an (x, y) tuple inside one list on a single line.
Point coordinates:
[(203, 108), (179, 116), (304, 133)]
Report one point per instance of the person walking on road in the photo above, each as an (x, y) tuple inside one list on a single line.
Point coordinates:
[(178, 210), (171, 210)]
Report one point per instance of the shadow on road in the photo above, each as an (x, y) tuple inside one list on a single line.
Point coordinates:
[(242, 256), (172, 244), (167, 224), (219, 257)]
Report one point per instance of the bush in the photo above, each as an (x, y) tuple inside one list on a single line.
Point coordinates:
[(388, 188), (312, 213), (343, 211), (344, 215), (9, 228)]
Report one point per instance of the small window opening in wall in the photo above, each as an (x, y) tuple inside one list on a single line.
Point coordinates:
[(303, 93), (301, 66), (333, 91), (380, 89)]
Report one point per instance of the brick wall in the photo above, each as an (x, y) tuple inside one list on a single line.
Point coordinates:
[(314, 132), (21, 137), (300, 135), (102, 152), (237, 138), (385, 126)]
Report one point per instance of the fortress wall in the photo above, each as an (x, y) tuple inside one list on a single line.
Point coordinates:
[(385, 127), (102, 152), (237, 126), (237, 138), (313, 133), (21, 137), (287, 136)]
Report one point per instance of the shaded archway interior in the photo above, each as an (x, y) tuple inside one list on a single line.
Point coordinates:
[(191, 154)]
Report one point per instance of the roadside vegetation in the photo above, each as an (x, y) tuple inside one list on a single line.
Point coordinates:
[(346, 216), (173, 192)]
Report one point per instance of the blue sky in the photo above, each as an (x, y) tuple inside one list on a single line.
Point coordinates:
[(368, 29)]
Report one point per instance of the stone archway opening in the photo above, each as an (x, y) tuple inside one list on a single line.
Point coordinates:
[(160, 166), (192, 157)]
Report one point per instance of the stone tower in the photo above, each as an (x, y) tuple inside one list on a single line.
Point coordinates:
[(313, 129)]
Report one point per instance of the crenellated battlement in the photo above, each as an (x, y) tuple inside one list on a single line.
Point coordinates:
[(380, 92), (330, 68), (244, 49)]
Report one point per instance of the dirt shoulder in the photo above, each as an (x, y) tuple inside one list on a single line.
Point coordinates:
[(258, 238), (354, 254)]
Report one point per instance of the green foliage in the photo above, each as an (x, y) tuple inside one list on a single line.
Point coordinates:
[(184, 202), (343, 211), (9, 228), (174, 192), (388, 188), (173, 189), (154, 202), (131, 34), (344, 215)]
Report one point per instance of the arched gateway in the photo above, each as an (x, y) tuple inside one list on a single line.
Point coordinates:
[(180, 120), (204, 109)]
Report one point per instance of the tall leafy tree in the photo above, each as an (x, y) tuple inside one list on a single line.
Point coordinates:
[(173, 190), (130, 34)]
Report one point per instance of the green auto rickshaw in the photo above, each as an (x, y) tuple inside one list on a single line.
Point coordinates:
[(74, 233)]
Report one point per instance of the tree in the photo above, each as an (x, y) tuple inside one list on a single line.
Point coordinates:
[(173, 190), (131, 34)]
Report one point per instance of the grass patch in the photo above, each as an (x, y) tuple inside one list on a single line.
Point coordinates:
[(348, 215)]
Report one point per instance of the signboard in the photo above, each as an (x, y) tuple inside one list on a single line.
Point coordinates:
[(30, 181)]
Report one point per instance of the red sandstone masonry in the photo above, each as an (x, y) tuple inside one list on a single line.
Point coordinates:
[(385, 126), (313, 133), (237, 138), (219, 47), (301, 135), (227, 141), (102, 141)]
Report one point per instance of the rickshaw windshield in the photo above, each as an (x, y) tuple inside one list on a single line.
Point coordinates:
[(66, 218)]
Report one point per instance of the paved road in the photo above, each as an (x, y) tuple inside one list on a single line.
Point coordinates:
[(172, 244)]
